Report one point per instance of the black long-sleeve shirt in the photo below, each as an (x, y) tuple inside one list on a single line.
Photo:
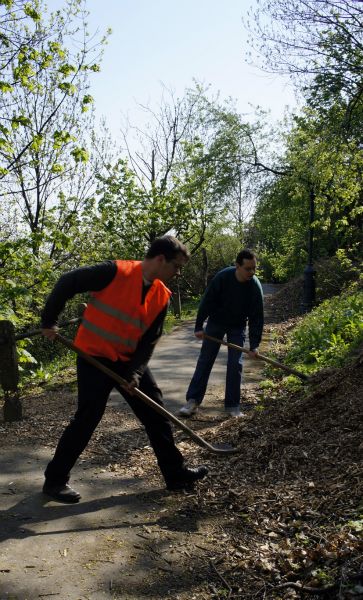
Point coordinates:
[(94, 279), (231, 303)]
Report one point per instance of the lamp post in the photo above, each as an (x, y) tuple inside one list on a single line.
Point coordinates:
[(309, 271)]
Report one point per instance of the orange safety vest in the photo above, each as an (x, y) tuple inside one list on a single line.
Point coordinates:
[(115, 320)]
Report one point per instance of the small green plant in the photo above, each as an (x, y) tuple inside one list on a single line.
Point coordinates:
[(37, 372), (40, 375), (259, 407), (292, 383), (322, 577), (25, 357), (267, 384), (357, 525)]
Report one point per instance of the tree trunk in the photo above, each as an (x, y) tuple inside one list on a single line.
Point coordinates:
[(205, 267)]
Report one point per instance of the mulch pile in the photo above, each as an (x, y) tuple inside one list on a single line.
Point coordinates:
[(294, 491)]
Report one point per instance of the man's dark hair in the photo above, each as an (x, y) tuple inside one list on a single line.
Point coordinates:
[(245, 254), (169, 246)]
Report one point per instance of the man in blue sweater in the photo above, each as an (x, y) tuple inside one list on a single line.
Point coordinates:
[(233, 298)]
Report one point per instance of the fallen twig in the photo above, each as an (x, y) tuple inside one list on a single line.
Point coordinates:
[(223, 580)]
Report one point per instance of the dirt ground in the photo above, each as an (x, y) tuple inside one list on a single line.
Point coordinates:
[(280, 519)]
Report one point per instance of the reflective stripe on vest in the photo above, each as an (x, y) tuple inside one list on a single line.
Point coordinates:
[(106, 335), (115, 312)]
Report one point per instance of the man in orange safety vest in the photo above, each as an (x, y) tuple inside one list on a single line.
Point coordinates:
[(120, 327)]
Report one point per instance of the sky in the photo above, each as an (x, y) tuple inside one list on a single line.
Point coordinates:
[(164, 42)]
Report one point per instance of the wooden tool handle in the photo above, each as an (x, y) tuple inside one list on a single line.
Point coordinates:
[(160, 409), (275, 363)]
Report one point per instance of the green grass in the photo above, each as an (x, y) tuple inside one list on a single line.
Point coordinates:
[(328, 335)]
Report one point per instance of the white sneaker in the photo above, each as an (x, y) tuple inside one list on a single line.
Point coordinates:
[(234, 411), (189, 409)]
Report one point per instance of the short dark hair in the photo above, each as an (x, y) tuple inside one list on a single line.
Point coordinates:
[(169, 246), (245, 253)]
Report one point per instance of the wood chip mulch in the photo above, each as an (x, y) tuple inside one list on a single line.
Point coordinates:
[(291, 500)]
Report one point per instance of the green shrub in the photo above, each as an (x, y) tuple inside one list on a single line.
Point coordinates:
[(327, 335)]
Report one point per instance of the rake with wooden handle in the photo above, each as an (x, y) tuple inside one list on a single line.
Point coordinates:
[(216, 449), (272, 362)]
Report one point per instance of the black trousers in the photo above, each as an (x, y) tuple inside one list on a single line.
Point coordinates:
[(94, 388)]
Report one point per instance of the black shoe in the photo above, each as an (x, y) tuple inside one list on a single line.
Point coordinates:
[(62, 493), (186, 478)]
